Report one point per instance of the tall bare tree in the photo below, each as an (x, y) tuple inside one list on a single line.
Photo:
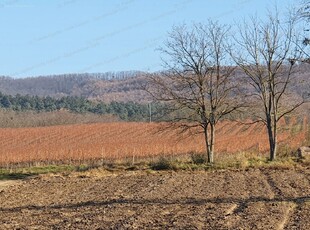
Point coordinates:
[(199, 79), (267, 53)]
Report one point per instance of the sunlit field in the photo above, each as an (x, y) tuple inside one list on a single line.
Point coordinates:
[(121, 140)]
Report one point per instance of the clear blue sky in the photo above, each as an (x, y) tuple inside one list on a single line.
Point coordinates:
[(42, 37)]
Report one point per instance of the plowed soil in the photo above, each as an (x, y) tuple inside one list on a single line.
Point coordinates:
[(245, 199)]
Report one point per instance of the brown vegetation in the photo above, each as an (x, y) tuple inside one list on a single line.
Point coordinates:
[(107, 90), (120, 140), (120, 86), (18, 119)]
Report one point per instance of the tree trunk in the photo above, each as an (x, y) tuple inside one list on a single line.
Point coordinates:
[(274, 153), (208, 146), (271, 139), (212, 141)]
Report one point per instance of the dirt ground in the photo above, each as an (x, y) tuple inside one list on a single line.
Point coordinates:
[(246, 199)]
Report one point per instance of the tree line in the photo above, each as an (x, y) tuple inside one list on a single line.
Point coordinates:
[(126, 111)]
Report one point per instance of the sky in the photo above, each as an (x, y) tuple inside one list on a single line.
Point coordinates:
[(46, 37)]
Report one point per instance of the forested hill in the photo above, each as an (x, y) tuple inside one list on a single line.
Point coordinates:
[(107, 87), (111, 86)]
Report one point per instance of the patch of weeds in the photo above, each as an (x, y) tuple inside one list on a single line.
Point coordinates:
[(15, 176), (181, 165), (198, 158), (207, 167), (22, 173), (225, 165), (132, 168), (231, 162), (254, 162), (282, 163), (48, 169), (285, 151), (84, 168), (240, 164), (163, 164), (192, 166)]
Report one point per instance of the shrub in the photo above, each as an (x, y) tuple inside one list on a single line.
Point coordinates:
[(163, 164), (198, 158)]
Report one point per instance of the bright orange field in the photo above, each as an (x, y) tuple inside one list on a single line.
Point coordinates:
[(119, 140)]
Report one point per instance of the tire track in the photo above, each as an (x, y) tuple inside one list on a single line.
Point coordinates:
[(295, 220), (287, 214), (295, 200), (277, 193)]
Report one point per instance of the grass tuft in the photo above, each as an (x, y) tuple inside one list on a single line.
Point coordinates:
[(163, 164), (22, 173), (198, 158)]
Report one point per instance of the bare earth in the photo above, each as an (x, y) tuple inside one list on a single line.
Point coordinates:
[(247, 199)]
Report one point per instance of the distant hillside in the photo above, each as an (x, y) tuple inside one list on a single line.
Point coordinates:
[(120, 86), (112, 86)]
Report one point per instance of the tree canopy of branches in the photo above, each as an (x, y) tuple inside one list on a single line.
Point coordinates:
[(267, 55), (304, 9), (199, 79), (303, 14)]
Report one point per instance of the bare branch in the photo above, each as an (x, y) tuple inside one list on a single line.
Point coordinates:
[(197, 78)]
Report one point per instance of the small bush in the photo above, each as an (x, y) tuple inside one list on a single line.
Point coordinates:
[(162, 164), (82, 168), (198, 158)]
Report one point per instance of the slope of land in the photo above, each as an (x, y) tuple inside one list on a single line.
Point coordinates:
[(119, 86), (251, 199)]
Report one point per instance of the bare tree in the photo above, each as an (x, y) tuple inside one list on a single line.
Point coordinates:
[(199, 79), (267, 53)]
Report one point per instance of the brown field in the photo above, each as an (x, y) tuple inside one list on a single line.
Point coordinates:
[(121, 140), (239, 199), (249, 198)]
